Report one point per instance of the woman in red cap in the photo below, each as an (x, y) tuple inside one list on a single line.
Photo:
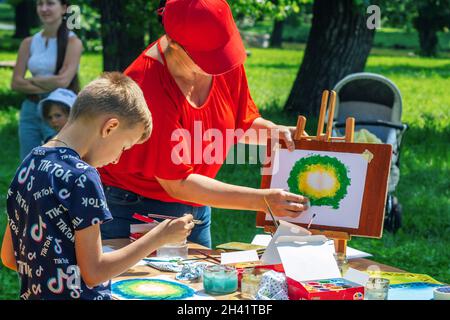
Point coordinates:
[(195, 85)]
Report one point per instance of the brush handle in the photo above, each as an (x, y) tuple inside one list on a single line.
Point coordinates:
[(164, 217)]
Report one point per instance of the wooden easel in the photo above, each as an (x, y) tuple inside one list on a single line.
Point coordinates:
[(376, 181), (328, 102)]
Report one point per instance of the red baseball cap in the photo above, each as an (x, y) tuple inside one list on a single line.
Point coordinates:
[(207, 31)]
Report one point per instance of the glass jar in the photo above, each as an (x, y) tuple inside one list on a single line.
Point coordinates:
[(173, 250), (376, 289), (342, 262), (220, 279), (251, 278)]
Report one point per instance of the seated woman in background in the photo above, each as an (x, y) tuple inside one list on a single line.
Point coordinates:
[(52, 56)]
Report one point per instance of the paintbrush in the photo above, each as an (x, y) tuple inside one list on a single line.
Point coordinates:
[(311, 221), (275, 221), (206, 255), (171, 260), (160, 216)]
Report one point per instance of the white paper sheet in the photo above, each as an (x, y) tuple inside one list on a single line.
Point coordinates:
[(356, 276), (262, 239), (349, 210), (239, 257), (308, 262), (271, 255), (351, 252)]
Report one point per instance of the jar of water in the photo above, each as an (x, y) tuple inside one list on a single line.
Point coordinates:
[(376, 289), (173, 250), (220, 279), (342, 262)]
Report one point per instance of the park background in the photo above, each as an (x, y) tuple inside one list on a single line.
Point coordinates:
[(412, 48)]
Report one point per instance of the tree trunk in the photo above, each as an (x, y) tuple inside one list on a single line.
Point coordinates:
[(276, 38), (23, 18), (428, 42), (122, 36), (426, 25), (338, 44)]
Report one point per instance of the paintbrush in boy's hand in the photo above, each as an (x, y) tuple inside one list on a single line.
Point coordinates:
[(164, 217)]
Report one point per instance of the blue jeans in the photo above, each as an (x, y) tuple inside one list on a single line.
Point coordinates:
[(32, 128), (123, 204)]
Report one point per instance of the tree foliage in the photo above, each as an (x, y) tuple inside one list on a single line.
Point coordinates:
[(277, 9)]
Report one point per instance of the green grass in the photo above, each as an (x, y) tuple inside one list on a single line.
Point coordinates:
[(422, 244)]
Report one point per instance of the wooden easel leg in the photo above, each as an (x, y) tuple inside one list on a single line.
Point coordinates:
[(340, 246), (332, 105), (301, 124), (349, 129), (323, 111)]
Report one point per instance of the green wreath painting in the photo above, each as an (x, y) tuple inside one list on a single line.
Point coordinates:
[(323, 179)]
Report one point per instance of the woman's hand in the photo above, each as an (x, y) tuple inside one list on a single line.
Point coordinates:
[(285, 204), (174, 231), (286, 134)]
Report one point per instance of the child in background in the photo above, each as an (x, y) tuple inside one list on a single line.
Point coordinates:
[(55, 109), (56, 203)]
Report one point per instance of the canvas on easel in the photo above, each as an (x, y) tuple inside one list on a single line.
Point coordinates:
[(345, 182), (332, 181)]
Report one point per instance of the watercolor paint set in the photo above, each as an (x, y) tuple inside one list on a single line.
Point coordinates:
[(325, 289)]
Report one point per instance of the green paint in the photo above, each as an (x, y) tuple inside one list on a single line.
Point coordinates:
[(333, 163)]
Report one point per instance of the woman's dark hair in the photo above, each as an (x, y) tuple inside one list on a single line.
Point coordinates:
[(62, 41)]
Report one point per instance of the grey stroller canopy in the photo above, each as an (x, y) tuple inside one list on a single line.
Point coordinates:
[(376, 104)]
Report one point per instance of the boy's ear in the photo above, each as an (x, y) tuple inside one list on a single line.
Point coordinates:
[(110, 125)]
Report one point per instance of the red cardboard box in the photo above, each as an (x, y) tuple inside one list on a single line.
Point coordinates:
[(326, 289)]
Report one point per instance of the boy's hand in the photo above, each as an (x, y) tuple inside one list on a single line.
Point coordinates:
[(174, 231)]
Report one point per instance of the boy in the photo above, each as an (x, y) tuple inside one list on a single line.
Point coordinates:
[(55, 109), (55, 203)]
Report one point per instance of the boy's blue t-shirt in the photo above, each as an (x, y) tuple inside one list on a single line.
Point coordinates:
[(53, 194)]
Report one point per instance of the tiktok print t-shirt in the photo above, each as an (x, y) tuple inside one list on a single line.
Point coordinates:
[(53, 194)]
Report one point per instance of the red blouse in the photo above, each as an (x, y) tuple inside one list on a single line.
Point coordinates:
[(184, 139)]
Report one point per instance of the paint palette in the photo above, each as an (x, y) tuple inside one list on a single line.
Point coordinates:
[(325, 289), (326, 285)]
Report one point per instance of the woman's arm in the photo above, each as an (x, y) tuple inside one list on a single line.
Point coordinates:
[(68, 70), (206, 191), (19, 83), (8, 258), (97, 267)]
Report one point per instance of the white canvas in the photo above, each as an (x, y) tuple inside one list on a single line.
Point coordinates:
[(348, 213)]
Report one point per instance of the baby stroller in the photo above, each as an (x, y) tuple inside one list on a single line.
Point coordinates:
[(376, 104)]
